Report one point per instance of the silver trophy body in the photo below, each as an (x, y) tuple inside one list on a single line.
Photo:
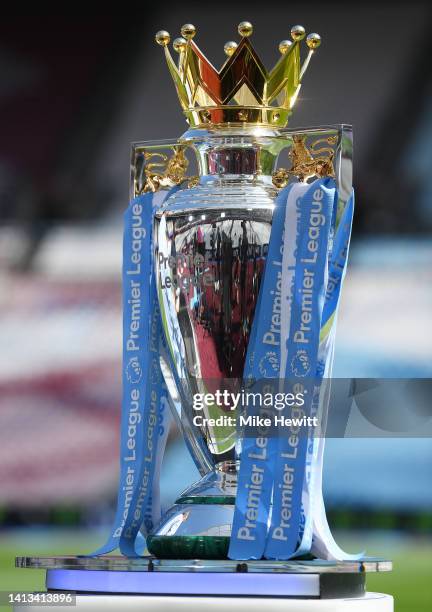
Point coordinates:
[(211, 238)]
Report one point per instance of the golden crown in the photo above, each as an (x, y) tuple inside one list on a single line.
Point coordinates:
[(242, 91)]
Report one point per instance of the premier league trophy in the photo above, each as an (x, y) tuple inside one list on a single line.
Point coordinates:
[(232, 276)]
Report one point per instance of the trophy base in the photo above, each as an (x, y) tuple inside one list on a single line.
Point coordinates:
[(219, 583), (193, 531), (198, 525), (188, 547)]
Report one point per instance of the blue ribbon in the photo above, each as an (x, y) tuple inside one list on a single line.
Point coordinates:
[(315, 209), (145, 418), (255, 478), (338, 260), (277, 466)]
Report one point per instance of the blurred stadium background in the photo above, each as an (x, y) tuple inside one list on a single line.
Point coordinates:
[(74, 92)]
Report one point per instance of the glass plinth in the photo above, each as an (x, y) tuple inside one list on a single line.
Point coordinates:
[(115, 574)]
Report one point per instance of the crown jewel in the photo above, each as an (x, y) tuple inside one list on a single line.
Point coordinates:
[(242, 91)]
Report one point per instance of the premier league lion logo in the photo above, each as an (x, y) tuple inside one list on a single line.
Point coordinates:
[(269, 365), (133, 370), (300, 363)]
